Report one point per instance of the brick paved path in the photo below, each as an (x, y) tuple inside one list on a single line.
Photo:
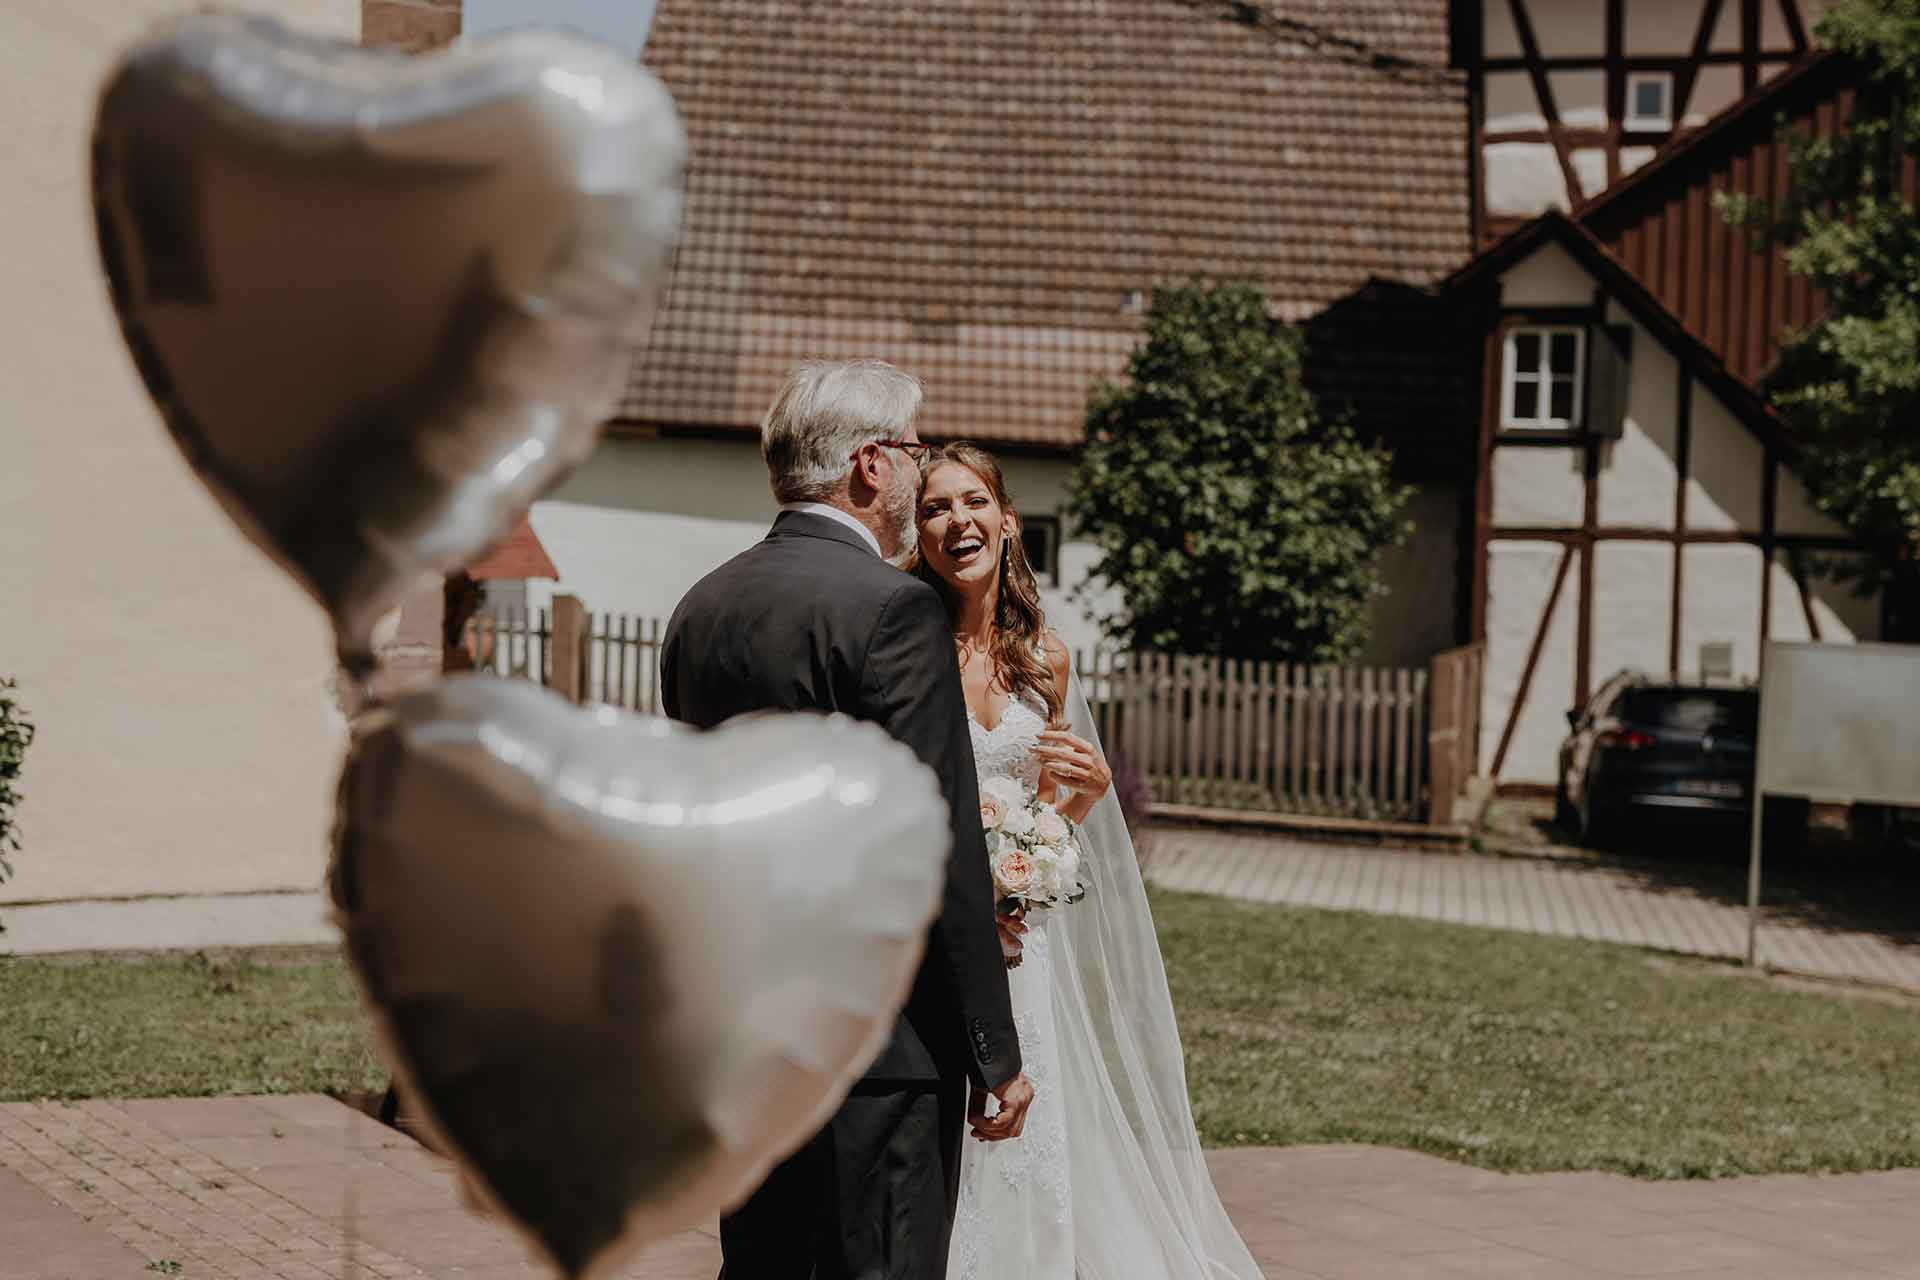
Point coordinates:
[(300, 1188), (1698, 910)]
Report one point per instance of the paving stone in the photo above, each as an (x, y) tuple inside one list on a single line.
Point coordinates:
[(1686, 910)]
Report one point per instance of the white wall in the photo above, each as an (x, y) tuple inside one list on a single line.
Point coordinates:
[(188, 740), (1632, 607), (1725, 471), (1721, 603), (645, 519), (1519, 579), (1538, 486), (1548, 277), (1639, 472), (1415, 619)]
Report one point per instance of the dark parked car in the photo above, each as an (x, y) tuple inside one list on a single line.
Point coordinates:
[(1648, 751)]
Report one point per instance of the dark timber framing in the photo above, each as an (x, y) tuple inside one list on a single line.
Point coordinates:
[(1753, 57), (1698, 368)]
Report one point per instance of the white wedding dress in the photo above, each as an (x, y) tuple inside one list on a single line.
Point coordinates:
[(1015, 1217), (1107, 1181)]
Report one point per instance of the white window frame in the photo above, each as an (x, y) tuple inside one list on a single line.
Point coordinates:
[(1510, 376), (1651, 124)]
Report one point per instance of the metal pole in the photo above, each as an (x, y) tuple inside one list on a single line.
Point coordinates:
[(1753, 876)]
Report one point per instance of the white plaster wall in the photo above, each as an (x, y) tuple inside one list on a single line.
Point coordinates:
[(1659, 28), (1580, 96), (1794, 511), (1639, 472), (646, 519), (1632, 607), (1538, 486), (1415, 619), (1498, 36), (1725, 469), (1721, 603), (188, 740), (1548, 277), (1523, 179), (1844, 615), (1511, 104), (1519, 578)]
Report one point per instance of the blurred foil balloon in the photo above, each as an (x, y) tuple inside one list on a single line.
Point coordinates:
[(623, 966), (383, 302)]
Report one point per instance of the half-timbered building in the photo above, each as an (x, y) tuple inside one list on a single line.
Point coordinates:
[(1636, 506), (1568, 96)]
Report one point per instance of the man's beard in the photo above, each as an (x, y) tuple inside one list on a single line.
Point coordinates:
[(899, 508)]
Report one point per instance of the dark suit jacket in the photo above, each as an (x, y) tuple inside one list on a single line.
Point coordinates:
[(812, 620)]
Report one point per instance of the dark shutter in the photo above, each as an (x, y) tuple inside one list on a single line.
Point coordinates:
[(1609, 365)]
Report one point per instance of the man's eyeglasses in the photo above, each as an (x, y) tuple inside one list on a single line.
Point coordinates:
[(915, 449)]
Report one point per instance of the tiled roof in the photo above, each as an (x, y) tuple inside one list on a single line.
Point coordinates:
[(973, 188), (519, 555)]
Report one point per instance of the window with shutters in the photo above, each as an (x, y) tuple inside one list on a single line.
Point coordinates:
[(1544, 369)]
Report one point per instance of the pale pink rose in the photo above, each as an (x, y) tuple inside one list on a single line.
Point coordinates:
[(1050, 826), (992, 812), (1017, 821), (1014, 871)]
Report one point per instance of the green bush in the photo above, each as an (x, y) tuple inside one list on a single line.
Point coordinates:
[(16, 733), (1232, 518)]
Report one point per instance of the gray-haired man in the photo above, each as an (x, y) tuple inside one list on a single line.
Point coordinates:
[(814, 618)]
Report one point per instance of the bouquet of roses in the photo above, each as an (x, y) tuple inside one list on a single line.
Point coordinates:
[(1030, 848)]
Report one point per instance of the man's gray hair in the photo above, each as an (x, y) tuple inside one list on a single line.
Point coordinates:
[(824, 413)]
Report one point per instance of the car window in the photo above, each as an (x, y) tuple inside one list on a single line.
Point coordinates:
[(1694, 710)]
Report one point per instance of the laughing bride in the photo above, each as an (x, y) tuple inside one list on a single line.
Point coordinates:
[(1108, 1181)]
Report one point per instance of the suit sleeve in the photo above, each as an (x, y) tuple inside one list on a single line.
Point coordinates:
[(913, 687)]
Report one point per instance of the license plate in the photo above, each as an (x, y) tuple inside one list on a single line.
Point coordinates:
[(1709, 787)]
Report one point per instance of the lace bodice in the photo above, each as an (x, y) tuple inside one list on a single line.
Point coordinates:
[(1006, 750)]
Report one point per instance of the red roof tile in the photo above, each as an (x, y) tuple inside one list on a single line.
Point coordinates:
[(519, 555), (972, 190)]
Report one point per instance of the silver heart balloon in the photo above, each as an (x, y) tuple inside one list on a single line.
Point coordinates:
[(624, 966), (383, 302)]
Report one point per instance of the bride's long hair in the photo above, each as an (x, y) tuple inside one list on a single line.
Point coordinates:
[(1019, 661)]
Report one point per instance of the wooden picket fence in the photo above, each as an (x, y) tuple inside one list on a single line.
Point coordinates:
[(602, 658), (1208, 734), (1214, 733)]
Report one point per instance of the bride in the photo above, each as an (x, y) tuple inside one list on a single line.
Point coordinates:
[(1107, 1181)]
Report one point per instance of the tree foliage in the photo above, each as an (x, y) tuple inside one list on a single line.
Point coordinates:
[(1231, 518), (1849, 384)]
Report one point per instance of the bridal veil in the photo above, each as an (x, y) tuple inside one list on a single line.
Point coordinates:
[(1144, 1204)]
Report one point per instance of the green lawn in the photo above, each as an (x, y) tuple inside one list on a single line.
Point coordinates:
[(1526, 1053), (180, 1027), (1503, 1050)]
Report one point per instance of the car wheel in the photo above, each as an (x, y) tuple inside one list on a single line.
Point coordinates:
[(1601, 830), (1563, 815)]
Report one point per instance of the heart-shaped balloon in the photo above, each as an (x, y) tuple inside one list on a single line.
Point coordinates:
[(383, 302), (624, 966)]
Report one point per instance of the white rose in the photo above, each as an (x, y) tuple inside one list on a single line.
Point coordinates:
[(1018, 821), (1069, 866), (1009, 793), (1050, 826), (992, 812)]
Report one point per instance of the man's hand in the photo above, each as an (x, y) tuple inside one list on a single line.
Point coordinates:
[(1015, 1096)]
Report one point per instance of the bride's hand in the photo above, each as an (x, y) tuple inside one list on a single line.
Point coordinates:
[(1013, 927), (1074, 763)]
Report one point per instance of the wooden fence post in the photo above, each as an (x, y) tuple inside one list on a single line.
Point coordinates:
[(569, 648)]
